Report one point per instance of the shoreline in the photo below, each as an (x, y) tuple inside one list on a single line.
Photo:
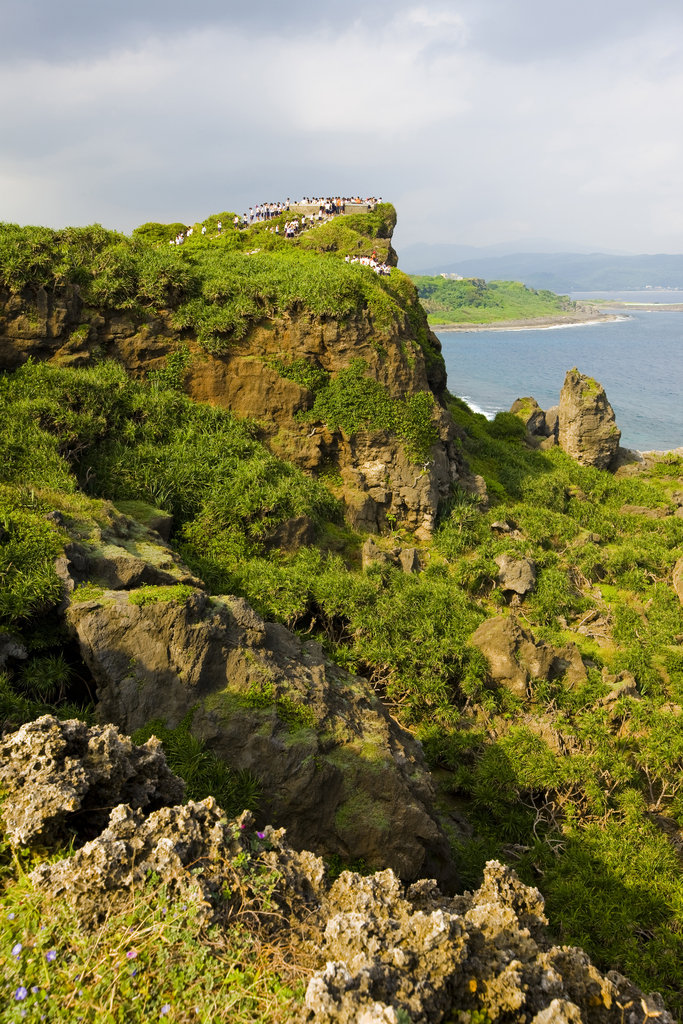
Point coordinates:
[(539, 323)]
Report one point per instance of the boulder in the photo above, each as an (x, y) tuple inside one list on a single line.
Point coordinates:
[(476, 485), (530, 413), (516, 574), (291, 535), (409, 560), (515, 657), (372, 554), (118, 553), (335, 768), (678, 579), (153, 518), (63, 776), (406, 559), (587, 428)]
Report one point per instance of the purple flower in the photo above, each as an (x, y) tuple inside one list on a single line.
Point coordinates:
[(165, 1009), (10, 917), (51, 955), (35, 989), (261, 835), (131, 954), (20, 993), (16, 950)]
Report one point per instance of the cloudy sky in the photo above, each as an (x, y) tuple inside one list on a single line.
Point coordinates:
[(482, 120)]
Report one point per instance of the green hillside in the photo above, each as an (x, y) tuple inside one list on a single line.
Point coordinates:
[(473, 301), (216, 284)]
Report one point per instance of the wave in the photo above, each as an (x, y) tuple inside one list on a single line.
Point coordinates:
[(489, 414)]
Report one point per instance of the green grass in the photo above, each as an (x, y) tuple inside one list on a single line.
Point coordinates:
[(215, 286), (153, 958), (591, 819), (473, 301)]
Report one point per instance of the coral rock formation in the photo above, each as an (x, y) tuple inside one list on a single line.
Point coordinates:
[(587, 428), (55, 771)]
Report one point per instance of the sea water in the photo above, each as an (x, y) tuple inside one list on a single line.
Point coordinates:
[(637, 359)]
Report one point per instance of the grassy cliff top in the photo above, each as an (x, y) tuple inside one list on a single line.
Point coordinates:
[(217, 285), (473, 301)]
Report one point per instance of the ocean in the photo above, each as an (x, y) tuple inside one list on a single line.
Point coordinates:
[(638, 360)]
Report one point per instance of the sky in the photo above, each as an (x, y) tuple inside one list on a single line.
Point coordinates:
[(481, 120)]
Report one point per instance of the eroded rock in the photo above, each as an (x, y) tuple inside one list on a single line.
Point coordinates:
[(515, 657), (516, 574), (393, 955), (532, 416), (336, 769), (67, 775), (587, 427), (384, 953)]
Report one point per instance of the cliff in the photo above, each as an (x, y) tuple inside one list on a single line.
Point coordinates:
[(259, 326)]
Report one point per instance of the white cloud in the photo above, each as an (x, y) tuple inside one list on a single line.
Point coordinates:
[(473, 146)]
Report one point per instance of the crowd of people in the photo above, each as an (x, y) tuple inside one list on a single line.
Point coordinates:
[(369, 261), (327, 208)]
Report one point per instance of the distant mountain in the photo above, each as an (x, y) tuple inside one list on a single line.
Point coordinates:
[(421, 257), (565, 272)]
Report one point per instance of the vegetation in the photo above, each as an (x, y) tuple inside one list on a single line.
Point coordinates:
[(473, 301), (153, 958), (217, 285), (580, 790)]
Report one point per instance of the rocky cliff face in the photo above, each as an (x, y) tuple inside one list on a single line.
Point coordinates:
[(58, 327)]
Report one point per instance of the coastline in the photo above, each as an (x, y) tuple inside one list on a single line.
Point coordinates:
[(539, 323)]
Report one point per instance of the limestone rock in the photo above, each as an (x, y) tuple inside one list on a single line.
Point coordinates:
[(404, 357), (531, 415), (406, 559), (292, 534), (678, 579), (393, 955), (587, 428), (410, 561), (335, 768), (153, 518), (516, 574), (476, 485), (385, 953), (121, 554), (552, 420), (10, 647), (372, 554), (67, 774), (515, 657)]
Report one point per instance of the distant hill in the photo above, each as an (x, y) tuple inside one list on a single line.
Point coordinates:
[(565, 272), (422, 258), (475, 302)]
